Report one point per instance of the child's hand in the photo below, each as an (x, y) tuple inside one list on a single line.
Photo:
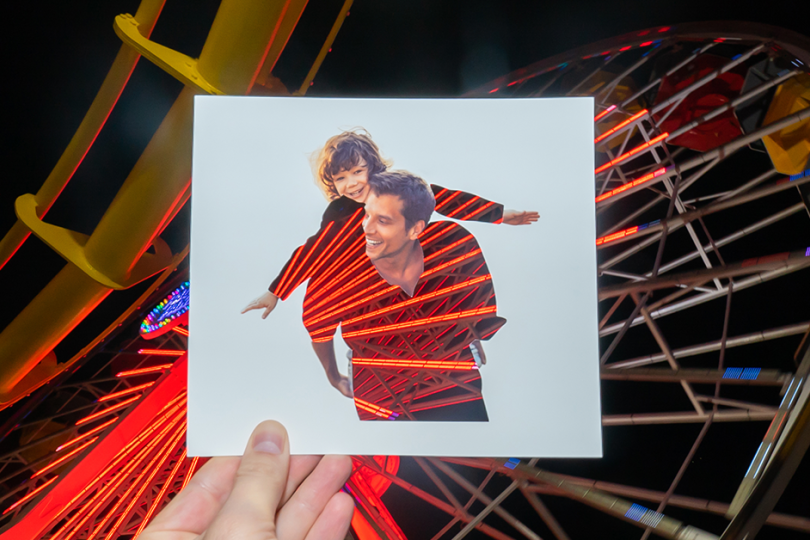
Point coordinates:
[(526, 217), (267, 302)]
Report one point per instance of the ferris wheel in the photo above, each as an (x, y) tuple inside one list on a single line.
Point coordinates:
[(702, 196)]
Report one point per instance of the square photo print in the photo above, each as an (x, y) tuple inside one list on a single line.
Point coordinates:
[(394, 276)]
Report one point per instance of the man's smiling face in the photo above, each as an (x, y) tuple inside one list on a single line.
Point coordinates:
[(353, 182), (386, 233)]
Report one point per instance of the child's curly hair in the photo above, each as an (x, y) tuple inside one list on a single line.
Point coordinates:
[(342, 152)]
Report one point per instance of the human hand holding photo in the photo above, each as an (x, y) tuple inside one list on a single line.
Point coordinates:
[(267, 302), (264, 495), (525, 217)]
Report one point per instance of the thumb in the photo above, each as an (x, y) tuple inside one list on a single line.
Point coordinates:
[(260, 481)]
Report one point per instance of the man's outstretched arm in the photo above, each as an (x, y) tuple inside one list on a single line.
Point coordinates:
[(326, 354)]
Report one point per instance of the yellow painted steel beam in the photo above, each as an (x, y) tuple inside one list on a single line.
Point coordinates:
[(344, 11), (155, 189), (82, 140)]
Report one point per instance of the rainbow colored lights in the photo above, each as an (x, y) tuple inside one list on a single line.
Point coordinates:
[(167, 314), (414, 364), (375, 409), (630, 184)]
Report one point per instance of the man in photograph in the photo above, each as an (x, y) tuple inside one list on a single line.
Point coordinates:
[(413, 301)]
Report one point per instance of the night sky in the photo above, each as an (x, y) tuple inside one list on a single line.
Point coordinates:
[(57, 54)]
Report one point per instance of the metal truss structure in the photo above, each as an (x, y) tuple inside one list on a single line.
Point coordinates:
[(700, 134)]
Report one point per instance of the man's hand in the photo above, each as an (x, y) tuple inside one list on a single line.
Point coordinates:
[(526, 217), (267, 302), (265, 495), (342, 384)]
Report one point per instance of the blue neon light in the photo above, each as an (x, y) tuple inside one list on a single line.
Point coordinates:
[(644, 515), (733, 373), (802, 174), (750, 374), (511, 463)]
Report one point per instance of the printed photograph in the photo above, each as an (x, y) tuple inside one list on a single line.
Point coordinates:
[(378, 269)]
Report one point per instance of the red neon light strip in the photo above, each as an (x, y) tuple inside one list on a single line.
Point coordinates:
[(372, 408), (415, 364), (616, 236), (412, 301), (29, 496), (634, 183), (141, 371), (181, 331), (169, 481), (108, 410), (463, 206), (108, 490), (419, 322), (631, 153), (354, 283), (303, 263), (340, 236), (336, 279), (453, 262), (339, 309), (604, 113), (433, 226), (616, 128), (162, 455), (85, 435), (450, 198), (190, 473), (445, 249), (140, 458), (281, 283), (480, 210), (125, 391), (122, 453), (64, 458), (161, 352)]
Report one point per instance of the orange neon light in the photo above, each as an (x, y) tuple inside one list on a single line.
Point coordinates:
[(372, 408), (450, 247), (189, 473), (631, 153), (453, 262), (141, 371), (281, 282), (604, 113), (419, 322), (634, 183), (138, 460), (415, 364), (463, 206), (303, 263), (614, 129), (125, 391), (480, 210), (336, 279), (436, 236), (331, 248), (162, 352), (418, 299), (120, 457), (181, 331), (616, 235), (87, 434), (338, 309), (29, 496), (162, 455), (108, 410), (108, 490), (156, 501), (447, 200), (64, 458), (353, 283)]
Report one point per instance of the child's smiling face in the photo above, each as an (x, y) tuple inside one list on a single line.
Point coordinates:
[(353, 182)]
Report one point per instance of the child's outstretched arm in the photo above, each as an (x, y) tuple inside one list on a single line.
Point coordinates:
[(468, 207)]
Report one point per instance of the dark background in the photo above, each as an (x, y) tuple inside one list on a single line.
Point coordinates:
[(57, 53)]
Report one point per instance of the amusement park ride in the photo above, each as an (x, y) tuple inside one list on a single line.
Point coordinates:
[(702, 195)]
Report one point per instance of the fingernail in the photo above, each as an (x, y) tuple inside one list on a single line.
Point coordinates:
[(269, 443)]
